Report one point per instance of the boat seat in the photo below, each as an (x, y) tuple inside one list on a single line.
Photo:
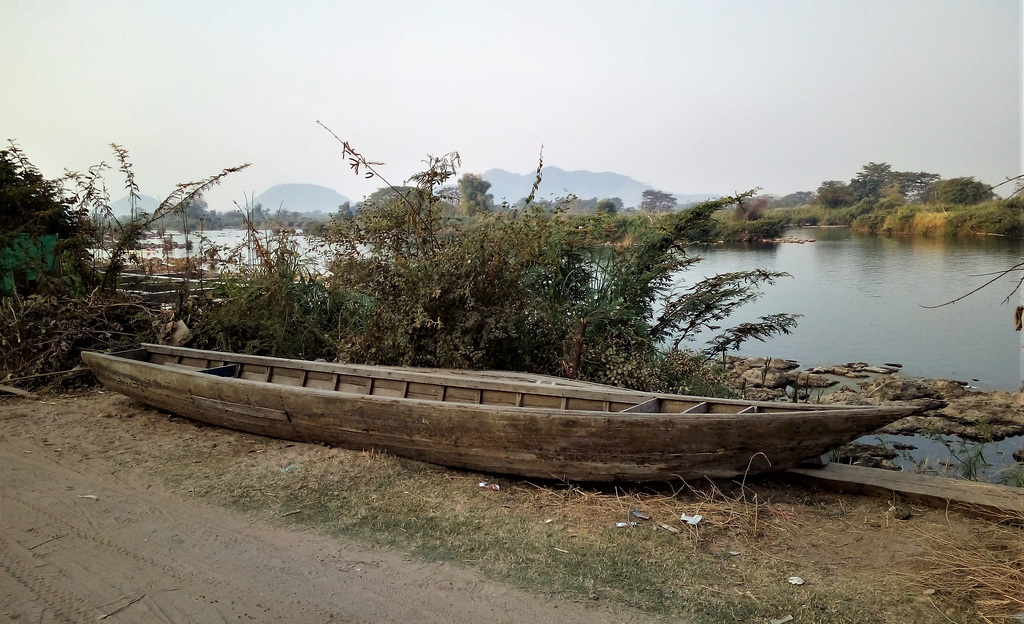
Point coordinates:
[(651, 406)]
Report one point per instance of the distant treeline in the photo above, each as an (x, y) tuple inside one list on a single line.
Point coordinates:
[(877, 199), (197, 216), (880, 200)]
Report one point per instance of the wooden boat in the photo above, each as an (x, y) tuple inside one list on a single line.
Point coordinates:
[(514, 423)]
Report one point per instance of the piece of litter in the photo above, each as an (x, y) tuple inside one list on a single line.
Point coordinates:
[(782, 620), (692, 520), (930, 591), (490, 486), (734, 553), (636, 513), (549, 521), (625, 524), (92, 496), (290, 468), (668, 527), (795, 580)]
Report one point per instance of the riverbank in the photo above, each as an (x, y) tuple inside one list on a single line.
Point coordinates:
[(958, 432), (948, 407), (896, 216), (101, 484)]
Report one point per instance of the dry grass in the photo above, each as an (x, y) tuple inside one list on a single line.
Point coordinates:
[(929, 223), (984, 568), (590, 511)]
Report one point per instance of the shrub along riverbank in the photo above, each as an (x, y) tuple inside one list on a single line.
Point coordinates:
[(885, 216)]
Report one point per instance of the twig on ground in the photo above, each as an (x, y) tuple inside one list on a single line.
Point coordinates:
[(121, 608)]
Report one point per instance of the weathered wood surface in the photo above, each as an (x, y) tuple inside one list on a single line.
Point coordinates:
[(18, 392), (488, 423), (931, 490)]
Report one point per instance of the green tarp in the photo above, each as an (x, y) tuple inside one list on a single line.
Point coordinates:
[(25, 259)]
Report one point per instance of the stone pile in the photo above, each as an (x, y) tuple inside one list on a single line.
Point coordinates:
[(773, 374)]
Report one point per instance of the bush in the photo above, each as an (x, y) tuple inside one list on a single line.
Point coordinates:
[(871, 222), (41, 335), (900, 220), (535, 290), (766, 228), (987, 218)]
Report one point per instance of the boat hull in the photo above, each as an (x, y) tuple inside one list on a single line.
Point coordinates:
[(542, 442)]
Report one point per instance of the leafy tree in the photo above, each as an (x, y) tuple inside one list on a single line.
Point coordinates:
[(872, 178), (875, 177), (656, 201), (835, 194), (576, 205), (914, 185), (473, 195), (192, 212), (43, 227), (964, 191), (799, 198), (345, 211), (608, 205), (29, 203)]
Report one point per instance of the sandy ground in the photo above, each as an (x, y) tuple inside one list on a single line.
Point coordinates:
[(82, 540)]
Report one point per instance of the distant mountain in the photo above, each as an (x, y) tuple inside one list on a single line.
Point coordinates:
[(300, 198), (122, 207), (555, 182)]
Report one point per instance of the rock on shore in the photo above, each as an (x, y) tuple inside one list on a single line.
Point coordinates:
[(946, 406)]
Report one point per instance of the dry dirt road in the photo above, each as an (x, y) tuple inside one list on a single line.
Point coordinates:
[(82, 541)]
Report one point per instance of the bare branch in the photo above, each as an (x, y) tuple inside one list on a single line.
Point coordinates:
[(1007, 181), (1017, 267)]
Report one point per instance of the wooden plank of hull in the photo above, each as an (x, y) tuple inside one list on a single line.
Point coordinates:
[(232, 408), (536, 442), (937, 491)]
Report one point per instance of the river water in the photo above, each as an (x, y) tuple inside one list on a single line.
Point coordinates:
[(862, 298)]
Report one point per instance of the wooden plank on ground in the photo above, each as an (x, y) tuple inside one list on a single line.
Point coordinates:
[(938, 491), (18, 392)]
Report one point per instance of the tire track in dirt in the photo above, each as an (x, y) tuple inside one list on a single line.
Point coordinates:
[(31, 594)]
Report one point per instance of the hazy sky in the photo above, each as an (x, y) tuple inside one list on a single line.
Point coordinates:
[(689, 96)]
